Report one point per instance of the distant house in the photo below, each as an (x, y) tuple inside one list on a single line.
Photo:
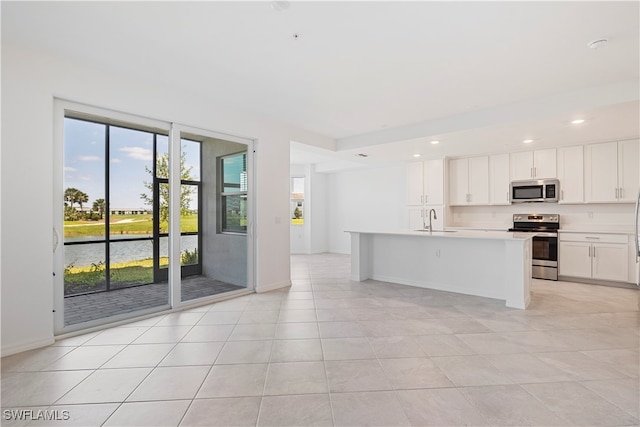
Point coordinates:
[(129, 211)]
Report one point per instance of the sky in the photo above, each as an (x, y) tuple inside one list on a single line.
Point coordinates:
[(130, 152)]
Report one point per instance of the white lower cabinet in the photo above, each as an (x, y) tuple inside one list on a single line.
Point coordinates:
[(574, 259), (594, 256)]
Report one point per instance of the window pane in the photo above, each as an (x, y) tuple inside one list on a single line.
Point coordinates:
[(130, 182), (190, 167), (234, 213), (189, 209), (83, 204), (84, 268), (234, 170), (131, 263), (84, 178), (162, 156), (297, 187)]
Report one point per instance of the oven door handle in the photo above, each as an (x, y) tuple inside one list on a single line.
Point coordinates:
[(545, 235)]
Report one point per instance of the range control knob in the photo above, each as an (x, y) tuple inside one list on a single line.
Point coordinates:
[(518, 218)]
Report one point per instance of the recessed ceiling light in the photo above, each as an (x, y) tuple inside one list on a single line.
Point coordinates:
[(577, 121), (435, 142), (528, 141), (416, 155)]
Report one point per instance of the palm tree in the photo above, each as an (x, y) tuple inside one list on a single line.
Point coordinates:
[(71, 196), (98, 205), (82, 198)]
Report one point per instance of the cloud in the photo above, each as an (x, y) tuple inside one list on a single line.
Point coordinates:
[(116, 160), (89, 158), (69, 169), (139, 153)]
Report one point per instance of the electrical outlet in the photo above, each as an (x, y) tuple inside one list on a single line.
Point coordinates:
[(590, 215)]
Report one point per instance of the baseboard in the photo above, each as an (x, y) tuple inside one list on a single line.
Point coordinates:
[(25, 346), (598, 282), (272, 286)]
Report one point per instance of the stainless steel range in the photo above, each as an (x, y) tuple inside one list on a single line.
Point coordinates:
[(545, 242)]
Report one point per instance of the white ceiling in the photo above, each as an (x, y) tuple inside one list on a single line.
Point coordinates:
[(381, 78)]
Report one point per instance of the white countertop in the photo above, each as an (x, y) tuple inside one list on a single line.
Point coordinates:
[(456, 234), (599, 230)]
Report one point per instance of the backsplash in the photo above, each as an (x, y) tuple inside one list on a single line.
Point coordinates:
[(587, 217)]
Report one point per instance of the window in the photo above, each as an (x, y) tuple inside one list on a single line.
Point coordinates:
[(233, 193), (297, 200)]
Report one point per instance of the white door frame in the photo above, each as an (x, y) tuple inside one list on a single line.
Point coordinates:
[(174, 130)]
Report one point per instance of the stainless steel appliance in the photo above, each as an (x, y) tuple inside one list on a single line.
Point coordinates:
[(545, 242), (537, 190)]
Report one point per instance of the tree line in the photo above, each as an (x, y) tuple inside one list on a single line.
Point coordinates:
[(73, 196)]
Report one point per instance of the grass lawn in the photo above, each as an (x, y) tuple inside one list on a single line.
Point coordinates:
[(125, 224), (92, 278)]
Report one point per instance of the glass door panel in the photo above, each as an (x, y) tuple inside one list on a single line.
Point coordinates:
[(84, 238), (111, 243), (215, 222)]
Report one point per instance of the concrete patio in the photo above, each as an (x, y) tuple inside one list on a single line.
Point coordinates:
[(87, 307)]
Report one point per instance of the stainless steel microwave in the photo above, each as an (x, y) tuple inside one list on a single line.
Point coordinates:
[(537, 190)]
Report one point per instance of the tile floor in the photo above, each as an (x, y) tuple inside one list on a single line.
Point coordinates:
[(329, 351)]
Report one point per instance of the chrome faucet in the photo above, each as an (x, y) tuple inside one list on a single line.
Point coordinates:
[(434, 217)]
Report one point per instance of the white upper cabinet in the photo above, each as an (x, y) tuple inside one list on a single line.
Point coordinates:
[(628, 170), (499, 179), (533, 164), (415, 193), (571, 174), (611, 171), (425, 183), (434, 182), (469, 181)]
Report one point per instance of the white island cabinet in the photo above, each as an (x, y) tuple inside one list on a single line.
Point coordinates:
[(491, 264)]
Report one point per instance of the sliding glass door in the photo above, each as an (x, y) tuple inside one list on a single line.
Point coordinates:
[(214, 202), (139, 204)]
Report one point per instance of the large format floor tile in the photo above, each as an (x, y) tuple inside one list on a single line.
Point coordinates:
[(370, 409), (331, 351), (300, 410), (223, 412)]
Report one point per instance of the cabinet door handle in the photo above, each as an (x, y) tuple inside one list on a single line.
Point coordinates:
[(617, 192), (589, 251), (561, 194), (535, 172), (621, 193), (594, 251), (426, 198), (592, 238), (531, 173)]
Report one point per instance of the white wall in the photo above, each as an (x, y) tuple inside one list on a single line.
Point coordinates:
[(365, 199), (30, 81), (319, 212), (311, 237)]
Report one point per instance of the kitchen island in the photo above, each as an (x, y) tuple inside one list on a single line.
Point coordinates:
[(492, 264)]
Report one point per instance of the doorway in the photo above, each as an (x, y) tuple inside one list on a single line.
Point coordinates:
[(143, 233)]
